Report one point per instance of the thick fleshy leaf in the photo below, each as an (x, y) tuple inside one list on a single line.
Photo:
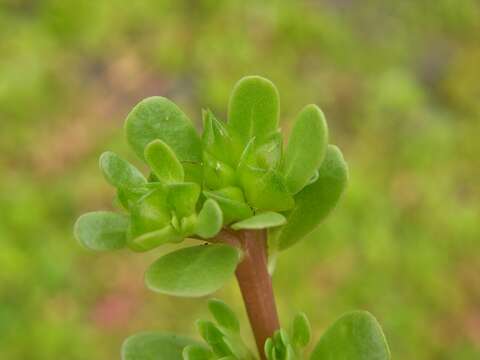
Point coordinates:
[(163, 162), (216, 139), (158, 118), (315, 201), (150, 213), (119, 172), (306, 148), (214, 337), (193, 271), (183, 197), (155, 346), (301, 331), (197, 352), (155, 238), (217, 174), (210, 220), (231, 202), (261, 221), (253, 110), (224, 316), (102, 230), (356, 336)]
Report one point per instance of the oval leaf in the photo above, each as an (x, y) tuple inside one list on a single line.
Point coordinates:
[(306, 148), (102, 230), (315, 202), (119, 172), (224, 316), (356, 335), (261, 221), (158, 118), (163, 162), (193, 271), (210, 220), (253, 110), (183, 198), (301, 330), (155, 346)]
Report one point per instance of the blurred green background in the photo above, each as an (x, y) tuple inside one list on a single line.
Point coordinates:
[(399, 82)]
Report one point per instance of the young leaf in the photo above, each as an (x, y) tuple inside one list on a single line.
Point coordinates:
[(210, 220), (261, 221), (253, 109), (155, 346), (150, 213), (119, 172), (183, 198), (154, 239), (301, 331), (306, 148), (224, 316), (216, 139), (102, 230), (197, 352), (231, 202), (315, 202), (355, 335), (217, 174), (214, 337), (158, 118), (194, 271), (163, 162)]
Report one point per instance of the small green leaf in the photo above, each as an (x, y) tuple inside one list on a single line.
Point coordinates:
[(158, 118), (315, 201), (301, 331), (150, 213), (163, 162), (224, 316), (261, 221), (231, 202), (306, 148), (194, 271), (217, 174), (119, 172), (183, 198), (216, 139), (155, 346), (154, 239), (210, 220), (355, 335), (102, 230), (269, 348), (197, 352), (214, 337), (253, 110)]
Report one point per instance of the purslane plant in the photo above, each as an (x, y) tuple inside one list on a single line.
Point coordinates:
[(247, 198)]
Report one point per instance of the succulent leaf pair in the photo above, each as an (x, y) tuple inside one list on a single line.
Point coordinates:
[(355, 335)]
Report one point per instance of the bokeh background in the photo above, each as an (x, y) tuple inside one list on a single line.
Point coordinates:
[(399, 82)]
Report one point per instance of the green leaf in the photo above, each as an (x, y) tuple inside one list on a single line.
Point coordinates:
[(119, 172), (260, 221), (193, 271), (102, 230), (306, 148), (231, 202), (150, 213), (224, 316), (158, 118), (217, 174), (155, 346), (183, 198), (154, 239), (356, 336), (210, 220), (214, 337), (253, 110), (216, 139), (197, 352), (314, 202), (301, 331), (163, 162)]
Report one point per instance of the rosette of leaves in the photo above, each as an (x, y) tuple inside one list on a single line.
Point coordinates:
[(354, 336)]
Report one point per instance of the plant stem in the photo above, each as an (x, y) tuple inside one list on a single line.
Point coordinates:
[(256, 286)]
